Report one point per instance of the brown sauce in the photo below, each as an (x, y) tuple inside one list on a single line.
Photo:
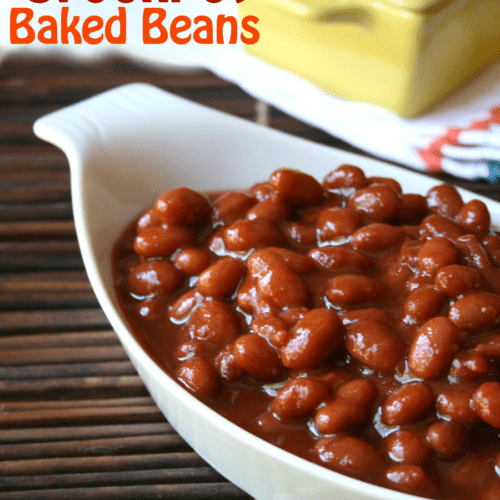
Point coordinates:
[(346, 322)]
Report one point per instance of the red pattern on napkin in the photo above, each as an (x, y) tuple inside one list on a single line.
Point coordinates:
[(432, 155)]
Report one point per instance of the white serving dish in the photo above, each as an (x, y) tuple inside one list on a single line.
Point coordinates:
[(128, 145)]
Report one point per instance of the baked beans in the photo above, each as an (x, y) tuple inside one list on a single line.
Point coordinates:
[(341, 319)]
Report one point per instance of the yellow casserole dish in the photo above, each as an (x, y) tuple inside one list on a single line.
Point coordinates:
[(403, 55)]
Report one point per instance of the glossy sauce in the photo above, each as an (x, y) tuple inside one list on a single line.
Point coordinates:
[(346, 322)]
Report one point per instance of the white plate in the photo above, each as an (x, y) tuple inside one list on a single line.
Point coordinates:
[(128, 145)]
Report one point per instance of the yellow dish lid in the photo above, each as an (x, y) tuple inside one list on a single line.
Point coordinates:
[(314, 9), (419, 5)]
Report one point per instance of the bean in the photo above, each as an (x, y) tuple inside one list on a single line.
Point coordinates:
[(193, 347), (410, 478), (433, 348), (312, 339), (486, 401), (418, 280), (377, 237), (293, 315), (148, 220), (474, 217), (407, 404), (490, 346), (456, 280), (185, 305), (180, 206), (300, 234), (471, 473), (337, 224), (162, 241), (469, 366), (437, 225), (336, 416), (255, 356), (349, 455), (214, 322), (243, 235), (398, 275), (435, 254), (376, 203), (422, 304), (298, 398), (413, 208), (272, 209), (216, 241), (221, 278), (407, 447), (374, 345), (476, 312), (448, 439), (281, 287), (273, 329), (340, 259), (345, 177), (296, 187), (199, 375), (191, 261), (263, 259), (262, 190), (360, 392), (491, 244), (474, 255), (261, 306), (246, 296), (369, 313), (408, 253), (154, 277), (457, 405), (353, 289), (444, 200), (349, 408), (229, 207), (226, 364), (385, 181)]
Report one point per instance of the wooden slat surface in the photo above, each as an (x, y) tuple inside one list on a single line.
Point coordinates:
[(75, 419)]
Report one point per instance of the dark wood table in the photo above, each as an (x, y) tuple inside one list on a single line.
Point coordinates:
[(75, 419)]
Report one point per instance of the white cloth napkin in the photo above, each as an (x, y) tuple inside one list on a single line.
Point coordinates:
[(460, 136)]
